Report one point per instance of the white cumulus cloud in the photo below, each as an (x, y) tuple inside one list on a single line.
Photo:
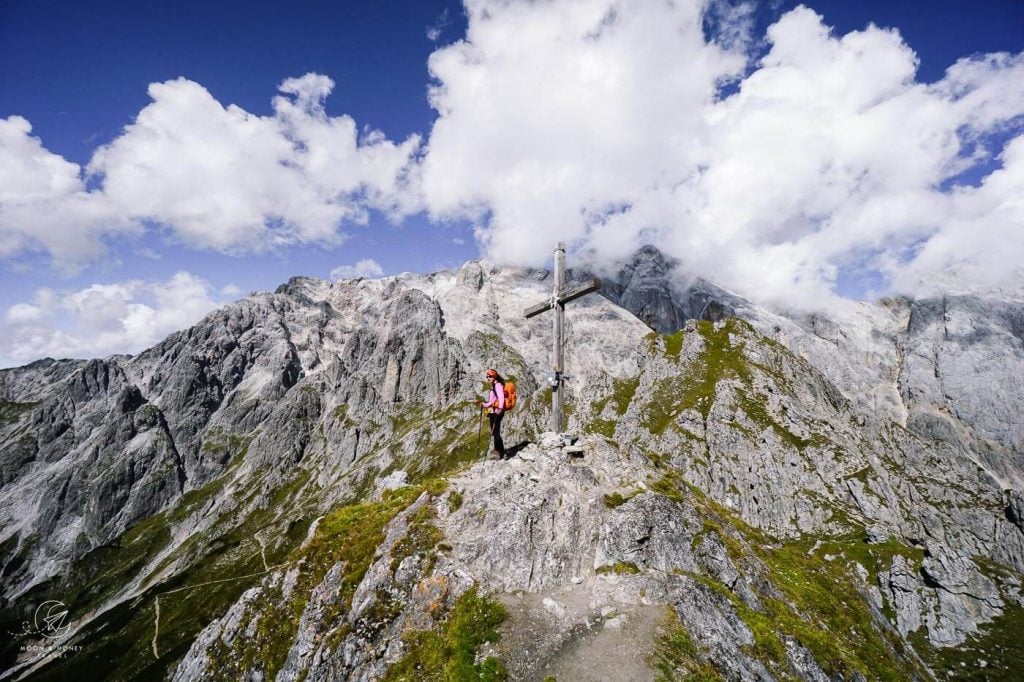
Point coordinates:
[(222, 178), (604, 124), (101, 319), (212, 176), (553, 115), (367, 267), (44, 203)]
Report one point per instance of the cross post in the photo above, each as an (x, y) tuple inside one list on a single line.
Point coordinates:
[(558, 300)]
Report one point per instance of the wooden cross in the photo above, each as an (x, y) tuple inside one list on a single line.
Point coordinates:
[(559, 298)]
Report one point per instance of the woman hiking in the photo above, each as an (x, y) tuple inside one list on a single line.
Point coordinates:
[(495, 407)]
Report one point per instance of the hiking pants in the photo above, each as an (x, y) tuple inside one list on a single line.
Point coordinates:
[(495, 420)]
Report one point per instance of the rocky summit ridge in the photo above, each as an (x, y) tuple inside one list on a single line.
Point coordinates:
[(293, 489)]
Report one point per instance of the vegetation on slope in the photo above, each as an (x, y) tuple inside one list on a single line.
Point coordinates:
[(676, 657), (721, 357), (450, 653), (349, 537), (819, 603), (994, 654), (10, 411), (200, 579), (221, 564)]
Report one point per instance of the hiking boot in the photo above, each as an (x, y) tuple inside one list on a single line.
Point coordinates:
[(493, 454)]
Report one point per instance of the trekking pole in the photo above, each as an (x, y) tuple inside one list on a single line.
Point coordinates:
[(480, 431)]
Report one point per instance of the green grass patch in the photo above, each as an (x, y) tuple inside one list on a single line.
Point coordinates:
[(422, 538), (224, 446), (999, 643), (756, 408), (722, 357), (875, 558), (676, 657), (602, 427), (445, 439), (824, 611), (666, 403), (195, 500), (718, 360), (861, 475), (623, 391), (742, 429), (222, 563), (821, 605), (340, 414), (450, 652), (348, 536), (669, 486), (617, 499), (993, 569), (619, 568), (673, 344), (11, 412)]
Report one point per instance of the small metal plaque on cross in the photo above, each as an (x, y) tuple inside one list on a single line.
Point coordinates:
[(557, 302)]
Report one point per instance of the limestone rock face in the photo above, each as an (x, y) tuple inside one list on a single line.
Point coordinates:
[(295, 487), (949, 367), (961, 378), (646, 286)]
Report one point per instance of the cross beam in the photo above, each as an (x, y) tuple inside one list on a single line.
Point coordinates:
[(557, 302), (582, 290)]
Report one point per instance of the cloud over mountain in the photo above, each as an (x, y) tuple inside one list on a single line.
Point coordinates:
[(605, 124), (366, 267), (119, 317), (44, 204)]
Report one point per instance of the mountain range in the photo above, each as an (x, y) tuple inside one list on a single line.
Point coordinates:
[(294, 489)]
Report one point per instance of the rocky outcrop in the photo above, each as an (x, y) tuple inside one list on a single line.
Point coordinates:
[(961, 378), (948, 368), (585, 550), (291, 487), (648, 285)]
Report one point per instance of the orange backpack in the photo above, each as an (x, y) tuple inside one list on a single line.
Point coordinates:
[(510, 395)]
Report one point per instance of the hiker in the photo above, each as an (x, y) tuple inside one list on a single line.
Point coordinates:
[(495, 407)]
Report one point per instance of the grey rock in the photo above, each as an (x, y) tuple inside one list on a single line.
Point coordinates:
[(550, 440), (876, 534), (802, 661), (904, 591), (649, 531), (1015, 508), (948, 367), (897, 423), (711, 621), (965, 597), (393, 481), (647, 285), (196, 663)]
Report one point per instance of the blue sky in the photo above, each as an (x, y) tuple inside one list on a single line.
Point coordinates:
[(79, 73)]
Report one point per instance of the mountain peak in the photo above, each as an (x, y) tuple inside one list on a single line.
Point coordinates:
[(742, 468)]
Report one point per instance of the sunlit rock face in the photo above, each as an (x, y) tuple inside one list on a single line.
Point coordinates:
[(949, 368), (294, 488)]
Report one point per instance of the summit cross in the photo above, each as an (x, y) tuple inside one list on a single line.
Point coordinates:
[(559, 298)]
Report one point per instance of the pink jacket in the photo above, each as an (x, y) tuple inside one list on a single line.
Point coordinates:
[(496, 400)]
